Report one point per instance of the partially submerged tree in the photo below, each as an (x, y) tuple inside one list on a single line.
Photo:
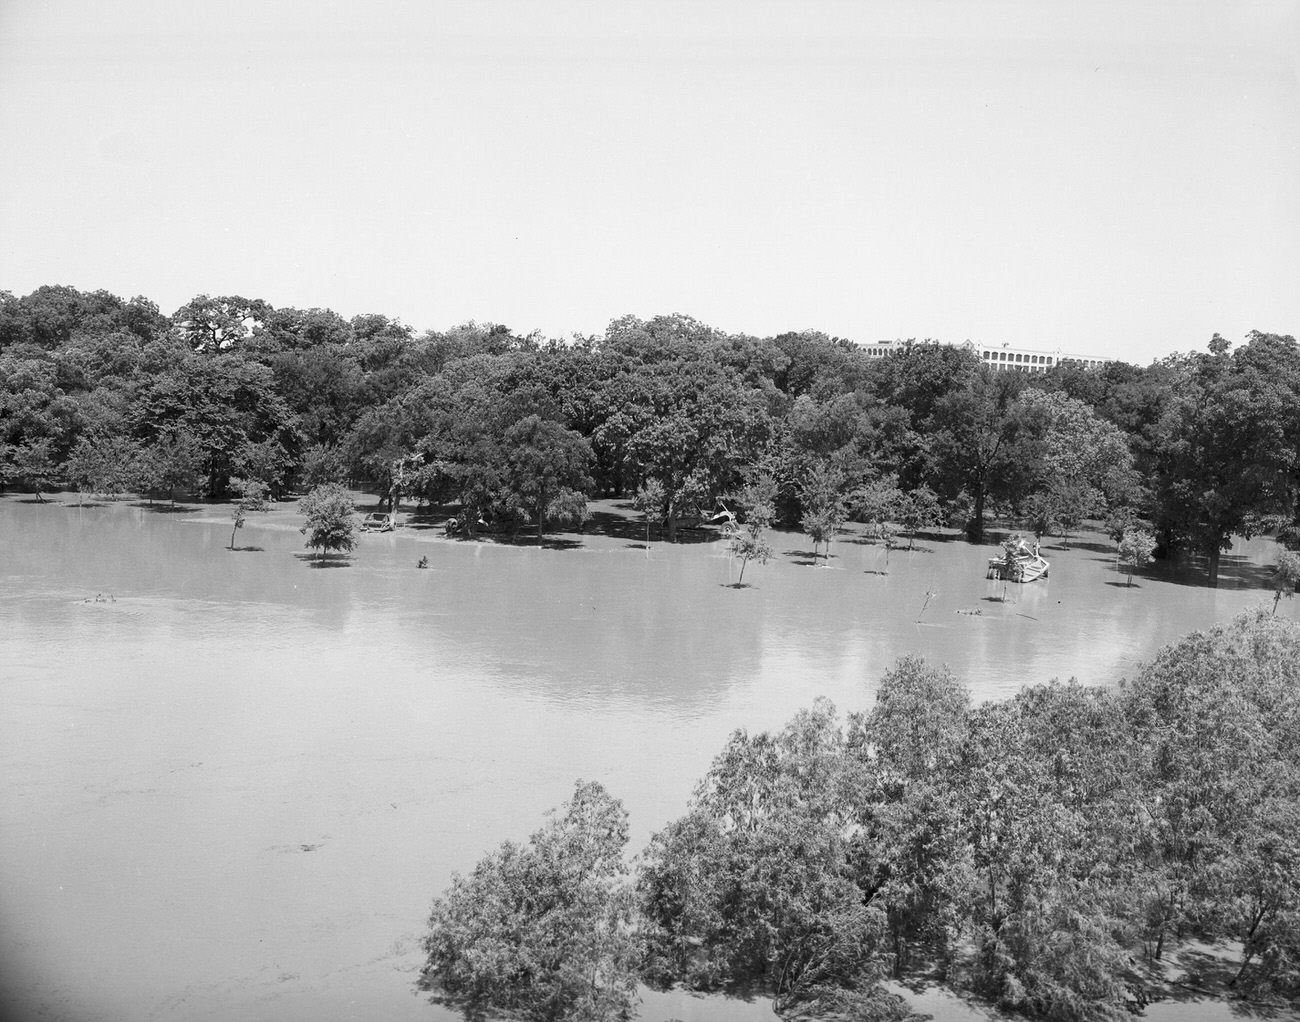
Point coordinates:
[(1135, 549), (649, 501), (1214, 725), (541, 931), (250, 496), (106, 465), (1286, 576), (824, 509), (917, 511), (749, 541), (330, 524), (754, 888), (876, 503), (912, 849), (169, 463), (31, 462), (1227, 449), (546, 472)]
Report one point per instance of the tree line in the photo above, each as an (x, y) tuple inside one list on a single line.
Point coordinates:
[(112, 396), (1048, 853)]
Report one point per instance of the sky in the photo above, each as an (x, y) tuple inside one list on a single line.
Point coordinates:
[(1119, 179)]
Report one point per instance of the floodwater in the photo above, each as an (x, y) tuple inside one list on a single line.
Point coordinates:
[(233, 781)]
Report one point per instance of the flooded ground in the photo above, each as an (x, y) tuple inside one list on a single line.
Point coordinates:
[(233, 781)]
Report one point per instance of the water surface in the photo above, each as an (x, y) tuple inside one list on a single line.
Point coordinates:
[(234, 781)]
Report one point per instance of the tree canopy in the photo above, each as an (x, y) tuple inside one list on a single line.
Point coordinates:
[(99, 393)]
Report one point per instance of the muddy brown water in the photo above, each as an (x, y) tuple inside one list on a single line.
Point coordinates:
[(234, 781)]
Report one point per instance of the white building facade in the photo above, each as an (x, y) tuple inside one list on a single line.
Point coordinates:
[(1001, 357)]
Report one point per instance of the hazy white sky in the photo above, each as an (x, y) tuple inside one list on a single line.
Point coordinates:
[(1119, 178)]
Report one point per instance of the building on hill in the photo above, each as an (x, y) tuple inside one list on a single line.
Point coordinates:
[(1002, 357)]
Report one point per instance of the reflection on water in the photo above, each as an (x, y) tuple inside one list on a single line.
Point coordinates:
[(233, 783)]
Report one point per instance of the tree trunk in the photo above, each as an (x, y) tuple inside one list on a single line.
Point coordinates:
[(975, 529), (1214, 552)]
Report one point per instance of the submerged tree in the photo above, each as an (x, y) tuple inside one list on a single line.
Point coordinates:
[(545, 472), (31, 462), (1215, 732), (1227, 450), (170, 463), (749, 541), (541, 931), (330, 525), (912, 851), (1135, 549), (1286, 576), (105, 465), (824, 510), (250, 496), (753, 887), (649, 501), (917, 511)]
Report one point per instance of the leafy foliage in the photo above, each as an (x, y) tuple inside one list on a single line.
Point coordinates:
[(251, 497), (749, 541), (330, 522), (1135, 549), (753, 886), (542, 930), (1286, 575), (1203, 446)]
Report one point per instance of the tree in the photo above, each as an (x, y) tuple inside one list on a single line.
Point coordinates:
[(749, 541), (919, 510), (1037, 786), (974, 431), (753, 886), (251, 496), (1214, 724), (1227, 459), (878, 503), (546, 471), (103, 465), (31, 462), (1135, 549), (1286, 576), (1063, 504), (913, 851), (226, 401), (541, 931), (266, 462), (1083, 462), (322, 464), (330, 525), (217, 324), (692, 425), (170, 462), (649, 501), (824, 509), (814, 362)]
